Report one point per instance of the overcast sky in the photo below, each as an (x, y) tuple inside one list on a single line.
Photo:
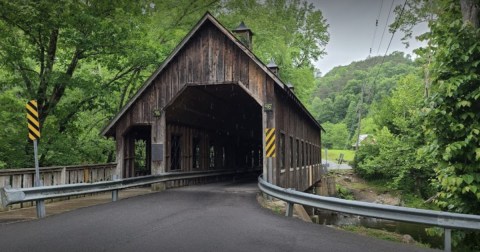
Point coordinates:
[(352, 28)]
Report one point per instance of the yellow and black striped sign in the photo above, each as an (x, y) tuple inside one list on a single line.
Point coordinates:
[(33, 122), (270, 142)]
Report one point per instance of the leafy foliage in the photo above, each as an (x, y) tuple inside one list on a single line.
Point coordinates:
[(335, 136), (337, 97), (452, 118), (83, 60)]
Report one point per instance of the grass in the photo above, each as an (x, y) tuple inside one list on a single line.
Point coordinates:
[(334, 154), (380, 234)]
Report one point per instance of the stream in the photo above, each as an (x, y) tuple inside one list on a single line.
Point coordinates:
[(416, 231)]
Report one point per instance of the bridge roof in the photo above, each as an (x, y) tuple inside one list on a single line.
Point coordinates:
[(108, 129)]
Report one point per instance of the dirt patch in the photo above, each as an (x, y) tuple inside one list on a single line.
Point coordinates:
[(279, 207), (364, 191)]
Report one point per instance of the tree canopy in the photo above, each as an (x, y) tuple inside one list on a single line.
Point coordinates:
[(83, 60)]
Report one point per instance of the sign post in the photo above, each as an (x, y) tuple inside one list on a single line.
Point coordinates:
[(34, 134), (270, 151)]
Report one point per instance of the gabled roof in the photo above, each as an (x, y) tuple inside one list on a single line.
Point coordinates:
[(228, 34)]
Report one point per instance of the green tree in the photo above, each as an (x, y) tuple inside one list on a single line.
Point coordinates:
[(83, 60), (335, 136), (340, 90), (452, 118), (393, 154)]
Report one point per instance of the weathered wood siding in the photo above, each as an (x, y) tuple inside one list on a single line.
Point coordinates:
[(210, 57), (301, 171)]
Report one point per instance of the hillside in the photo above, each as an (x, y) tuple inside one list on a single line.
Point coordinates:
[(337, 97)]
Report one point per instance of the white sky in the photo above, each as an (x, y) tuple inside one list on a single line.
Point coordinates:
[(352, 27)]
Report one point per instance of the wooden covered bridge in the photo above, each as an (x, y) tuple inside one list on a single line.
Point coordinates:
[(213, 104)]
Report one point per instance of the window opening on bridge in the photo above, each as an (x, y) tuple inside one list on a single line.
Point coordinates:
[(303, 154), (297, 157), (308, 156), (175, 152), (140, 164), (252, 158), (282, 151), (310, 148), (196, 153), (311, 154), (291, 152), (260, 156), (223, 157), (211, 153)]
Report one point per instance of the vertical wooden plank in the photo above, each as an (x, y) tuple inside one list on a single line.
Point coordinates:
[(27, 180), (200, 62), (119, 154), (4, 180), (213, 55), (206, 54), (17, 180), (175, 80), (228, 66), (236, 64), (252, 77), (181, 69), (167, 147), (220, 58), (47, 179), (244, 69)]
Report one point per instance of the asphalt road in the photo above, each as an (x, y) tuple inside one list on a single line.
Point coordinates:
[(213, 217)]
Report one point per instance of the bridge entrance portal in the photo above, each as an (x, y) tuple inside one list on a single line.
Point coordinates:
[(215, 126), (137, 157)]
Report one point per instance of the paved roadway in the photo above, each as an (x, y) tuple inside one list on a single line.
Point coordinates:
[(335, 166), (213, 217)]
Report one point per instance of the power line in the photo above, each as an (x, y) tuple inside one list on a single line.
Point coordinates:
[(391, 38), (385, 27), (376, 28), (359, 108)]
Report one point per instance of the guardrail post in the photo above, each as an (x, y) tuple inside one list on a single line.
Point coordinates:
[(448, 240), (40, 206), (115, 192), (289, 212), (114, 195)]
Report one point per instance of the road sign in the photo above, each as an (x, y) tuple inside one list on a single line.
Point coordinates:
[(34, 134), (33, 121), (270, 142)]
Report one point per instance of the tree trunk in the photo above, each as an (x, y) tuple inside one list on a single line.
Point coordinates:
[(470, 9)]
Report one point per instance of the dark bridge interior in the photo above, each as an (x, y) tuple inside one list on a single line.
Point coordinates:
[(213, 127)]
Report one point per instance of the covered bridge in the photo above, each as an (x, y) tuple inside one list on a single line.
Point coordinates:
[(213, 104)]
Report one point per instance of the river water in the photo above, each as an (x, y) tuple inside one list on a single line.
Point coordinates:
[(416, 231)]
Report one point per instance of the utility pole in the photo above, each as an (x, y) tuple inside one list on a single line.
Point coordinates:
[(360, 117)]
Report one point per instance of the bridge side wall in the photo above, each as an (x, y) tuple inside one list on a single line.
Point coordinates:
[(208, 58)]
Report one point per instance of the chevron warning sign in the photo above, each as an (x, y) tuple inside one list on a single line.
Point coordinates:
[(270, 142), (33, 122)]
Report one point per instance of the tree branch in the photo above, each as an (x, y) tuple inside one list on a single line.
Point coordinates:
[(59, 88)]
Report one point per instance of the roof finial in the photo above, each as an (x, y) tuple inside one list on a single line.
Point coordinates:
[(245, 34), (273, 66)]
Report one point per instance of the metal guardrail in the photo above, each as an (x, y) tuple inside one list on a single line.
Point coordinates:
[(39, 194), (446, 220)]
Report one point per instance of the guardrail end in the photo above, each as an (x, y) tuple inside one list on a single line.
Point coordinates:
[(3, 196), (9, 195)]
